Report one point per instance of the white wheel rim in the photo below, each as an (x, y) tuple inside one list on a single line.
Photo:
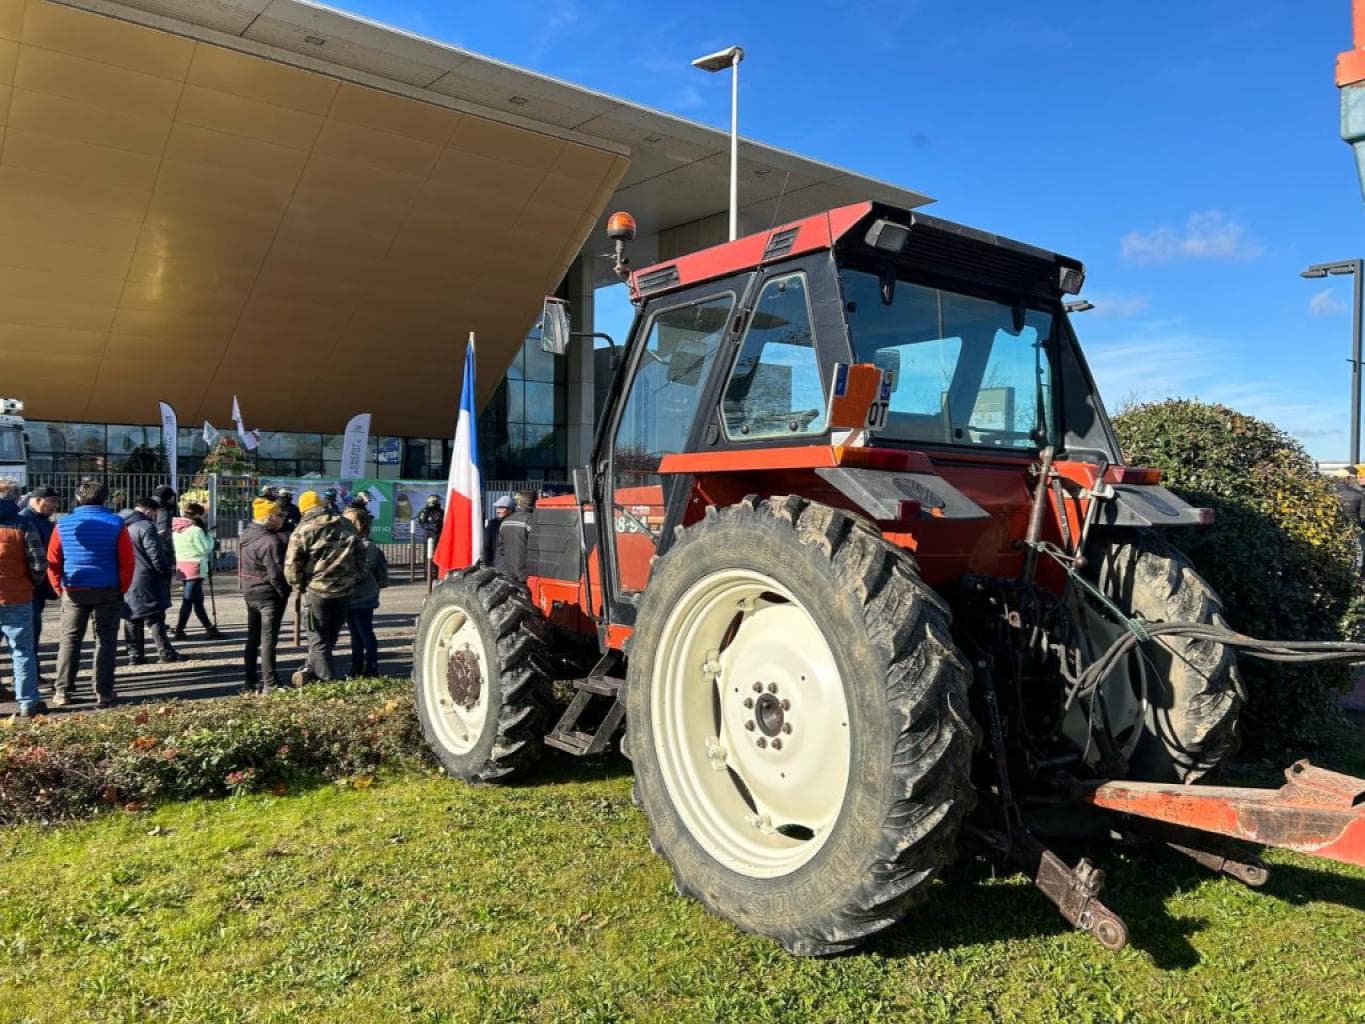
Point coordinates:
[(750, 723), (457, 725)]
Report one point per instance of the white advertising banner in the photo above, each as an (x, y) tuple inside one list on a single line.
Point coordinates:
[(355, 446), (170, 435)]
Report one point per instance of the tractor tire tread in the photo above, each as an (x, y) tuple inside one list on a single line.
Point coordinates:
[(926, 701)]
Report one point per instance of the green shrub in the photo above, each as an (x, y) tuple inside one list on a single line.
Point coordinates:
[(1280, 552), (69, 766)]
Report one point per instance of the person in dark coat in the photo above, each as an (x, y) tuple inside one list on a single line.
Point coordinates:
[(260, 572), (167, 508), (289, 510), (39, 508), (146, 601), (502, 508), (374, 577), (514, 538)]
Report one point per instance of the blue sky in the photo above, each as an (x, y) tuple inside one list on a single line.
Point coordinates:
[(1189, 153)]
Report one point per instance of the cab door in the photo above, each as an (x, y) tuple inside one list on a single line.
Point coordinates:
[(673, 356)]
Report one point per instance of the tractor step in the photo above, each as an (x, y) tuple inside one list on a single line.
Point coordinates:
[(567, 736)]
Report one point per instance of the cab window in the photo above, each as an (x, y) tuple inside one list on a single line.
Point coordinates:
[(774, 389)]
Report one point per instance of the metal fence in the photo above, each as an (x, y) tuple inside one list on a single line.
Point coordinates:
[(228, 499)]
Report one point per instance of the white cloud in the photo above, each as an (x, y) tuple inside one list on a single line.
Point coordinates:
[(1324, 303), (1118, 307), (1209, 234), (1162, 359)]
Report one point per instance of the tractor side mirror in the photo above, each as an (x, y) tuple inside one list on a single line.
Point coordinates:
[(554, 326)]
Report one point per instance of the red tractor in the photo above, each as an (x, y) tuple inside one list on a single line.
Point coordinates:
[(859, 566)]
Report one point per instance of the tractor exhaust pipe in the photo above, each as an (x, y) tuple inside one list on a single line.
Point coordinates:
[(1035, 517)]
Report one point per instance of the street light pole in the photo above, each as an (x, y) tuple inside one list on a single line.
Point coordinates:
[(718, 61), (1356, 268)]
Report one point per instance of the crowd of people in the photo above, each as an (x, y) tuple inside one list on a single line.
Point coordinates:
[(116, 571)]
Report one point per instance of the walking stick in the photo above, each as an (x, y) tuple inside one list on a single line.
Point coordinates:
[(213, 601), (298, 618)]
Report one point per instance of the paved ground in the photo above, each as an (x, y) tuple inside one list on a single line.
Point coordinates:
[(214, 668)]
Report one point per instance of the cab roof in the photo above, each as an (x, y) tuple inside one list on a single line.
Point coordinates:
[(953, 250)]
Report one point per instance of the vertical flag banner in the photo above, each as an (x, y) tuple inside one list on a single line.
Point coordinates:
[(461, 542), (210, 435), (355, 446), (170, 435), (250, 439)]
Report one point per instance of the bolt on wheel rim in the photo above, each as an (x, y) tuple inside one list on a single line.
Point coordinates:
[(750, 723), (455, 647)]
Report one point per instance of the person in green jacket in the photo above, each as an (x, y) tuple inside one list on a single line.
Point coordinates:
[(193, 549)]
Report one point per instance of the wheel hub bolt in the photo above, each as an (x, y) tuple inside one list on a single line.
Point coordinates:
[(758, 687), (777, 743), (749, 725), (787, 728), (772, 687), (762, 742), (748, 702), (786, 704)]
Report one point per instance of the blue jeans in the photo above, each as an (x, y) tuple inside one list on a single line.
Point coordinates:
[(16, 623)]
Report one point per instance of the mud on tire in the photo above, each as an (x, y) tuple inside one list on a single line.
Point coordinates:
[(910, 739), (1191, 721), (478, 617)]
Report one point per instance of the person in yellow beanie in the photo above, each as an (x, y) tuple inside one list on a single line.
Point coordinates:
[(325, 560), (260, 573)]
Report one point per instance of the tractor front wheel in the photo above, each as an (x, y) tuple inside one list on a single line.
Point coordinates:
[(479, 671), (799, 723)]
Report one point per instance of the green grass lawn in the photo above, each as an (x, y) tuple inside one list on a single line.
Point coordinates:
[(417, 898)]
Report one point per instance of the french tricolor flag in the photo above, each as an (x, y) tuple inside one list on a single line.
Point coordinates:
[(461, 542)]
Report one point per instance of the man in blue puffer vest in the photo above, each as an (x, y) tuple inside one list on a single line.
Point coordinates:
[(90, 562)]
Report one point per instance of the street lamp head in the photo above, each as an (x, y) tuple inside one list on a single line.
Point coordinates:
[(1324, 269), (720, 60)]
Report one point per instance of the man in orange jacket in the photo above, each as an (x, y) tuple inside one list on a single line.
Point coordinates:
[(21, 569)]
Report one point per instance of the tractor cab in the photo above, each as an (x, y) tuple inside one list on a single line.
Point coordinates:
[(728, 382)]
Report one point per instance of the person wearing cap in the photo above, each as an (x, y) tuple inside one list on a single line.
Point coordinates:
[(90, 562), (39, 508), (265, 591), (432, 518), (514, 538), (168, 508), (148, 597), (323, 560), (502, 508)]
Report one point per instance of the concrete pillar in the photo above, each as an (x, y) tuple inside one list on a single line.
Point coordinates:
[(579, 420)]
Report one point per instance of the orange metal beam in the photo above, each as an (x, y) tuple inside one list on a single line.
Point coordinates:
[(1351, 64), (1316, 812)]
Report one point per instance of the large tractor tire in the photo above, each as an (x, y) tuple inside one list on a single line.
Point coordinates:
[(1194, 692), (798, 719), (479, 666)]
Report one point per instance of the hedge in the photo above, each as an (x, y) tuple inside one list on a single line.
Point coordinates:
[(55, 768), (1280, 552)]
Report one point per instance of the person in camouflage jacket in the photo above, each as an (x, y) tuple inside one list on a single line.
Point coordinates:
[(324, 560)]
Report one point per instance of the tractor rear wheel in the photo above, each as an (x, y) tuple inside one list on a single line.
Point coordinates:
[(798, 720), (1194, 692), (479, 670)]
